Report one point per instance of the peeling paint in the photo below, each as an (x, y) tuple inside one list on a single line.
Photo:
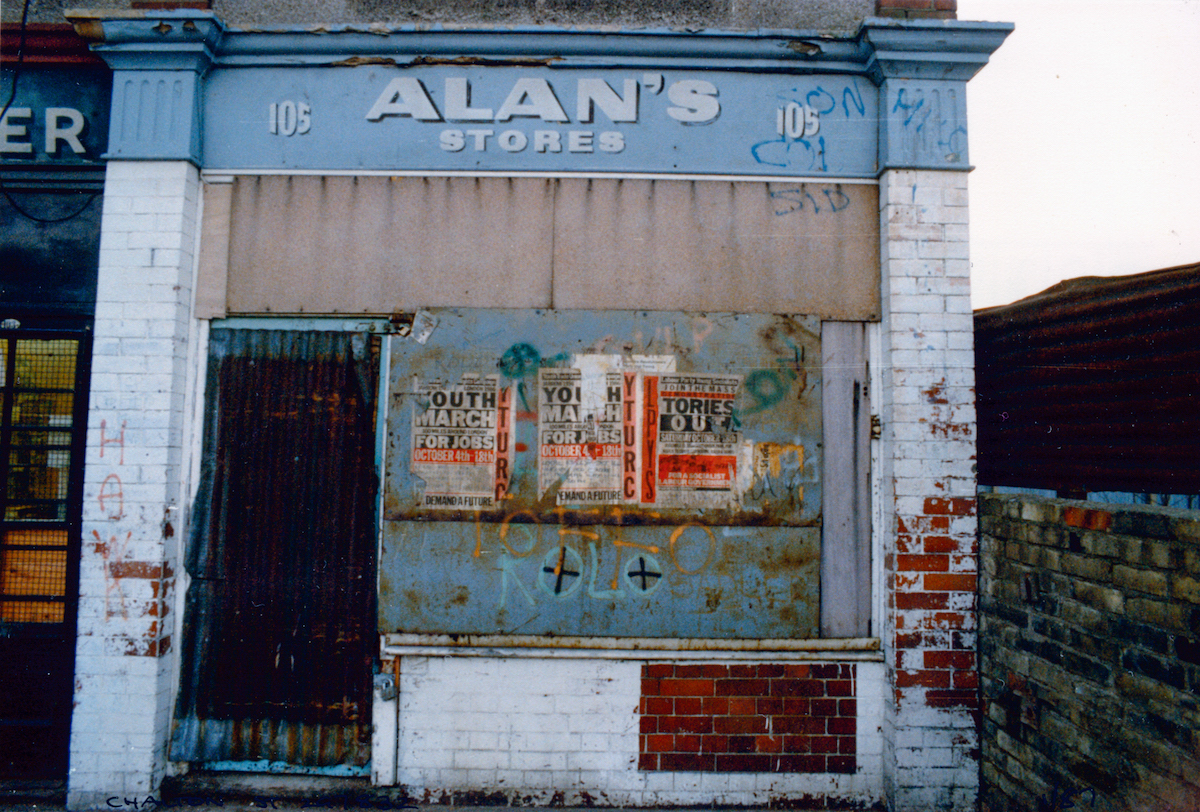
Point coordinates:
[(359, 61)]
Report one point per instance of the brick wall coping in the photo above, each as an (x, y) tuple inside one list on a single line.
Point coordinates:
[(1151, 521)]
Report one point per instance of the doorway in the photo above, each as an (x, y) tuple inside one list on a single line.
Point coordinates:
[(43, 423)]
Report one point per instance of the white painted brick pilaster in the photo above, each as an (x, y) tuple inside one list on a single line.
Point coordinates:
[(132, 499), (928, 412)]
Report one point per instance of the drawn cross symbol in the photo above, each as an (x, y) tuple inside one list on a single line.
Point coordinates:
[(559, 570), (643, 573)]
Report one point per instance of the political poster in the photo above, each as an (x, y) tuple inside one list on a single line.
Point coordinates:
[(690, 440), (579, 436), (459, 431)]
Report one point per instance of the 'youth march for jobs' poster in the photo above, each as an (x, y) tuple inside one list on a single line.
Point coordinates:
[(458, 437)]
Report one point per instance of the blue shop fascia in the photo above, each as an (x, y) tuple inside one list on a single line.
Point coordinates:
[(436, 100)]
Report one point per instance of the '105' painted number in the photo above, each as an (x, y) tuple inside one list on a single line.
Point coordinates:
[(797, 121), (289, 118)]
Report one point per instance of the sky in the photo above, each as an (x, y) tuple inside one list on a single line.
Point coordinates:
[(1085, 136)]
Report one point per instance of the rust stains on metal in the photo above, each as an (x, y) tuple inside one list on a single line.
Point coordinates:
[(543, 512), (804, 47), (378, 29), (394, 642), (90, 30), (279, 635), (552, 553), (1091, 385)]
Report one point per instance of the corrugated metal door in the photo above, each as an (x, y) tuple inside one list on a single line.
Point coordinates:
[(279, 633), (43, 378)]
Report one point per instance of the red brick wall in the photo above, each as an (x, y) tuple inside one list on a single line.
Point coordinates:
[(47, 44), (917, 9), (932, 587), (748, 718)]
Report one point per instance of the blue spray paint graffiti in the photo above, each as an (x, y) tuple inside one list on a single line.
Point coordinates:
[(930, 123), (522, 361), (788, 201), (798, 156), (805, 154)]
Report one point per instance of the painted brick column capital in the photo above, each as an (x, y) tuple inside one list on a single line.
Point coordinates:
[(922, 67), (159, 59)]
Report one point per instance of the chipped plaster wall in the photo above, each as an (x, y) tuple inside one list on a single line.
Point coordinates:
[(841, 16)]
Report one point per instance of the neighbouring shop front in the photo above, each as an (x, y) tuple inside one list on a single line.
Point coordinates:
[(53, 130), (522, 424)]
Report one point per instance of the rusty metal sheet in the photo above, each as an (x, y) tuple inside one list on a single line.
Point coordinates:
[(621, 473), (278, 643)]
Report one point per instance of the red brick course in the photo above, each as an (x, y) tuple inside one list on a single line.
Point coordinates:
[(934, 578), (917, 5), (749, 718), (1087, 519)]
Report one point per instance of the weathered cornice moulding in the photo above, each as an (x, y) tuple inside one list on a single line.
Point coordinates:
[(881, 48)]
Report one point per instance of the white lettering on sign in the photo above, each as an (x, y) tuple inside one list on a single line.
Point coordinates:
[(579, 141), (612, 141), (289, 118), (541, 103), (452, 140), (513, 140), (695, 101), (10, 130), (481, 137), (404, 96), (458, 102), (69, 133), (547, 141), (64, 125), (692, 101), (598, 93)]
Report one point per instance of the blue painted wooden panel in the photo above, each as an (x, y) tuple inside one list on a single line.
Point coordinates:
[(745, 565)]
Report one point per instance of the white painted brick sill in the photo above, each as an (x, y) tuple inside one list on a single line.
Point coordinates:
[(858, 649)]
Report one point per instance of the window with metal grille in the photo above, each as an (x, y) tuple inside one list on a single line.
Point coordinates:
[(38, 444)]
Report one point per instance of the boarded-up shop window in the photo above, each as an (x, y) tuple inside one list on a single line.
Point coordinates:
[(610, 473), (279, 633)]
